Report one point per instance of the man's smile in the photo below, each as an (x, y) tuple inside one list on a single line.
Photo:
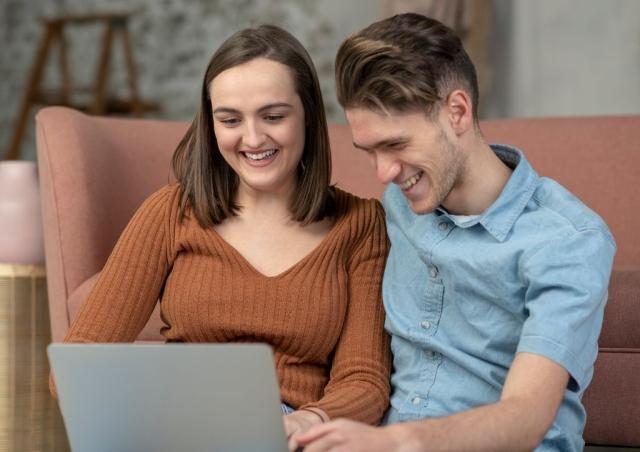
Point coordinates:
[(410, 182)]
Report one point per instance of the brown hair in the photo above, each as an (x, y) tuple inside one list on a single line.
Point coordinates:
[(209, 185), (403, 63)]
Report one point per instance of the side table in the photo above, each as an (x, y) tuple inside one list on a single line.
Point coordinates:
[(29, 417)]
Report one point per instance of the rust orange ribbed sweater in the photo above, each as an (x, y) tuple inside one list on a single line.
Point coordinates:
[(323, 316)]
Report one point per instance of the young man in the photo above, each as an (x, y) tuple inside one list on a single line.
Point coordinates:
[(497, 278)]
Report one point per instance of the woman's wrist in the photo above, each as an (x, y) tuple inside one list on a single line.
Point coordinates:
[(320, 414)]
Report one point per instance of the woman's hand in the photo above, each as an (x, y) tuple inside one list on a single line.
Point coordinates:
[(343, 434), (299, 422)]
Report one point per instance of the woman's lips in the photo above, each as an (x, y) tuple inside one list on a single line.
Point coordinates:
[(260, 158)]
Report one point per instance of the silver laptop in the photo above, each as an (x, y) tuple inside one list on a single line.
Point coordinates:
[(169, 397)]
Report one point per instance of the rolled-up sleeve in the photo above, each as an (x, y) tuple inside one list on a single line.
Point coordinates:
[(567, 281)]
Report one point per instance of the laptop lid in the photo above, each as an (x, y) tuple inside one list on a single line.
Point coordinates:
[(168, 397)]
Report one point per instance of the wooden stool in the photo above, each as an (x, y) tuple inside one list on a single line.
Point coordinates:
[(115, 24)]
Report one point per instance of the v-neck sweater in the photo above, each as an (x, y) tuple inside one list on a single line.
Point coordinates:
[(323, 317)]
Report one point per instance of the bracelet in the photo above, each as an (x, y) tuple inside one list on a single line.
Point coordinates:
[(311, 410)]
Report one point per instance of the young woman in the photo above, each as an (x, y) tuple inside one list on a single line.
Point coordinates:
[(252, 244)]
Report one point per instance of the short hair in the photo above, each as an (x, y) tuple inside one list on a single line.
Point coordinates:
[(209, 185), (403, 63)]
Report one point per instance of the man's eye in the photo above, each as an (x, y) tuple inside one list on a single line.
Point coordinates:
[(396, 146)]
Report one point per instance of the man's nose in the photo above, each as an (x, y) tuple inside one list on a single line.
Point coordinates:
[(387, 167)]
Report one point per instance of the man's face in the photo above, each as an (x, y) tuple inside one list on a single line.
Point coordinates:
[(412, 151)]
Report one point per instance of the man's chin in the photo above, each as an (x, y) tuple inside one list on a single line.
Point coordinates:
[(420, 198), (421, 207)]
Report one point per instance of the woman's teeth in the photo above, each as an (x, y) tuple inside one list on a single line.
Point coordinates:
[(406, 185), (260, 155)]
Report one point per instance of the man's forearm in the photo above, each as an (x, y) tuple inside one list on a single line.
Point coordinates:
[(532, 393), (507, 425)]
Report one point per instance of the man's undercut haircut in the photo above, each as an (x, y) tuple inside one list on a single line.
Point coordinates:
[(405, 63)]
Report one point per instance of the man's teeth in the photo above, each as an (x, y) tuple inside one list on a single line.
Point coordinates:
[(406, 185), (260, 155)]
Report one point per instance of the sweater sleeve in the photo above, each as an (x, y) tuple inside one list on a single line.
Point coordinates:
[(358, 387), (127, 290)]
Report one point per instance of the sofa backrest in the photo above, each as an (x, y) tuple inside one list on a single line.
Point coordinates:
[(596, 158), (94, 173)]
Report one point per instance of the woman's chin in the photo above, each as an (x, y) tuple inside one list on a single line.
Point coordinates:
[(266, 186)]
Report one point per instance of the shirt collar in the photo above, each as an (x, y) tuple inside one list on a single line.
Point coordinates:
[(500, 217)]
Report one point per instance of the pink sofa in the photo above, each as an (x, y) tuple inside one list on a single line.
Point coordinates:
[(96, 171)]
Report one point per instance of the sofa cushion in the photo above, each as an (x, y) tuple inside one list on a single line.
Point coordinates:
[(621, 327), (150, 333), (612, 400)]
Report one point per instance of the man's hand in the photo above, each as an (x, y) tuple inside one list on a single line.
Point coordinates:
[(298, 423), (343, 435)]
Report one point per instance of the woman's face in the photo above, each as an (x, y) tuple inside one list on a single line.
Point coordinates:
[(259, 122)]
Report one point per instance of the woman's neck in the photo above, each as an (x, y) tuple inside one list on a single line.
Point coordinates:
[(257, 205)]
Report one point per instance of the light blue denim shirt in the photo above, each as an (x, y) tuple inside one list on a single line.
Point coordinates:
[(462, 298)]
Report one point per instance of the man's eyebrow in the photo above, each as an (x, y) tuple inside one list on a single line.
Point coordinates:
[(260, 110), (382, 143)]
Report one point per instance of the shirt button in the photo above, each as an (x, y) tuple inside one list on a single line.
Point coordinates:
[(443, 226), (415, 400), (433, 272), (425, 324)]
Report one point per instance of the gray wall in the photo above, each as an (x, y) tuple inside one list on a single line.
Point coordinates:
[(173, 41), (548, 57), (565, 57)]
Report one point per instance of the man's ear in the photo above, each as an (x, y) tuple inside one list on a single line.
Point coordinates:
[(459, 111)]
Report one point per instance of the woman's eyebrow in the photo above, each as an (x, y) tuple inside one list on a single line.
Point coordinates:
[(225, 110), (261, 109), (275, 105)]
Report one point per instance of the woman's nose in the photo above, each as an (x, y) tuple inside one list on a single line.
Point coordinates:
[(254, 136)]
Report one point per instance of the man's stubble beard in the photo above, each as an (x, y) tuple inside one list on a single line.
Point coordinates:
[(453, 173)]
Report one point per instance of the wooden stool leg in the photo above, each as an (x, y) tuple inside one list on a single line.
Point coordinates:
[(65, 77), (100, 87), (132, 76), (13, 152)]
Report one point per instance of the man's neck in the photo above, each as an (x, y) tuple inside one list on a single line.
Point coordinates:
[(481, 183)]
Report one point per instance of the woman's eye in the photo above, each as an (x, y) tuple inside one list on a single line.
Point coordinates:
[(229, 121), (273, 118)]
